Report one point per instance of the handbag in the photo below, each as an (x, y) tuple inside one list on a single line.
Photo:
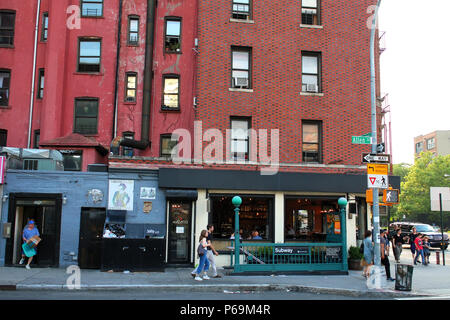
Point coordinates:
[(200, 250)]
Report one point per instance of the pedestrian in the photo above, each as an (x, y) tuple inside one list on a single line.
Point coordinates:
[(412, 238), (367, 260), (384, 243), (256, 236), (426, 249), (203, 265), (211, 253), (397, 242), (419, 249), (29, 232)]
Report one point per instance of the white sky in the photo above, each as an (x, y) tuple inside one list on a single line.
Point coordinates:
[(415, 69)]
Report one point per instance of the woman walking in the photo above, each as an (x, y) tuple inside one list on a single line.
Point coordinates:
[(203, 265), (368, 253), (412, 239), (419, 249)]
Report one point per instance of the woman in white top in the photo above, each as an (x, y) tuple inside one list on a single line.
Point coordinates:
[(203, 265)]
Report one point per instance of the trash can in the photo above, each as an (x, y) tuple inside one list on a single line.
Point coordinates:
[(403, 277)]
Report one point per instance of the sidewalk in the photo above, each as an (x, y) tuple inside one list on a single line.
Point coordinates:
[(427, 280)]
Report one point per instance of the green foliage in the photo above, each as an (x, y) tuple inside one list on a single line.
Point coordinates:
[(427, 171), (354, 254)]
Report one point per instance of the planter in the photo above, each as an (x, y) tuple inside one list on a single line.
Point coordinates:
[(354, 264)]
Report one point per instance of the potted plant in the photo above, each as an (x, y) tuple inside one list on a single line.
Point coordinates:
[(354, 258)]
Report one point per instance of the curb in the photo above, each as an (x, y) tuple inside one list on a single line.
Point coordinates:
[(233, 288)]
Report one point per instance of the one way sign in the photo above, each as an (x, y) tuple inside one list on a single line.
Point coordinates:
[(377, 181), (375, 158)]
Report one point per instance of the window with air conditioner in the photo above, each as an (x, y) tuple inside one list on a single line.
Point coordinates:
[(242, 9), (311, 12), (241, 68), (311, 76)]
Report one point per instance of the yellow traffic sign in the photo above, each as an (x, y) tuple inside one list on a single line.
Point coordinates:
[(376, 168)]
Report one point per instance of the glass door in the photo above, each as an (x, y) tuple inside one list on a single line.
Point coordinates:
[(180, 217)]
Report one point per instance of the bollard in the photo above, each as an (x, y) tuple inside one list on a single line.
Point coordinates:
[(438, 258)]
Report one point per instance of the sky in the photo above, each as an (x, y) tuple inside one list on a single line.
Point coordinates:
[(415, 70)]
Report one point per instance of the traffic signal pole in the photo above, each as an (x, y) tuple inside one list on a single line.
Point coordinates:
[(376, 207)]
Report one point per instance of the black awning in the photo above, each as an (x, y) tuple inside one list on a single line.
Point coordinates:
[(182, 194)]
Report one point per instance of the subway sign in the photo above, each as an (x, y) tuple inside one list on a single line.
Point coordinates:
[(2, 169)]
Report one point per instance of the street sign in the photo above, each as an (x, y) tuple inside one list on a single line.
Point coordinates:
[(391, 196), (377, 181), (361, 140), (376, 168), (376, 158), (434, 197)]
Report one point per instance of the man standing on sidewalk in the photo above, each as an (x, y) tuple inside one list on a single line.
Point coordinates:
[(211, 253), (384, 254)]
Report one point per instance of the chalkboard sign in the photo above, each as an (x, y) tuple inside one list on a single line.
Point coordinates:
[(291, 250), (334, 252)]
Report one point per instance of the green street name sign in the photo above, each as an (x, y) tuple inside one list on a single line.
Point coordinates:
[(362, 140)]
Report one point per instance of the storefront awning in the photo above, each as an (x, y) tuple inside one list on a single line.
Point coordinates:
[(182, 193)]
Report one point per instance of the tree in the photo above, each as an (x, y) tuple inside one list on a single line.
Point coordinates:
[(427, 171), (401, 170)]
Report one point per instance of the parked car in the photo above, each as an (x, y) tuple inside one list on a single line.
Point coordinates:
[(426, 229)]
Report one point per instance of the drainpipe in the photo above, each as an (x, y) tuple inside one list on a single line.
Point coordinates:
[(36, 28), (116, 87), (148, 77)]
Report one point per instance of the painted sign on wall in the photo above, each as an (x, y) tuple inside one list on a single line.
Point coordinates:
[(121, 195)]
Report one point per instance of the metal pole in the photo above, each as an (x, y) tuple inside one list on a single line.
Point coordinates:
[(442, 230), (236, 240), (376, 212), (344, 237)]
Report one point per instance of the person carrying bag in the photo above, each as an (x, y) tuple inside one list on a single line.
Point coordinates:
[(203, 265)]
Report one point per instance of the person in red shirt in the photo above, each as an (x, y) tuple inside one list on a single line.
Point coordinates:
[(419, 248)]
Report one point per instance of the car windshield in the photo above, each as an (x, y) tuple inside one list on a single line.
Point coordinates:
[(424, 228)]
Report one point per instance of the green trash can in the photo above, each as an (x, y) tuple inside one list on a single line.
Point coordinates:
[(403, 277)]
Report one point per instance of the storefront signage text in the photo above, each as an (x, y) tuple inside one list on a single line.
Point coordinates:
[(291, 250)]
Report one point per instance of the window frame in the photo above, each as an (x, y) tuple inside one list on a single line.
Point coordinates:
[(171, 18), (41, 84), (8, 89), (319, 16), (170, 76), (319, 143), (249, 126), (75, 115), (82, 2), (433, 145), (36, 138), (317, 55), (89, 39), (13, 28), (250, 11), (130, 74), (165, 136), (3, 133), (127, 135), (248, 50), (129, 32), (44, 29), (420, 143), (68, 152)]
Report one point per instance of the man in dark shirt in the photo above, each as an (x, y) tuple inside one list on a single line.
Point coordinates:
[(397, 241), (211, 253)]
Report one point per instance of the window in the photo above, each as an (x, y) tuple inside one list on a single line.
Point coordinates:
[(91, 8), (37, 137), (127, 151), (241, 9), (44, 31), (431, 143), (419, 147), (167, 144), (40, 92), (133, 30), (171, 92), (72, 160), (86, 113), (3, 137), (5, 81), (131, 86), (310, 12), (89, 55), (240, 138), (7, 21), (311, 72), (241, 61), (311, 141), (173, 35)]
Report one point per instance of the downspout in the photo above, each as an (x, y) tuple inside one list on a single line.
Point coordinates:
[(36, 29), (116, 87), (148, 78)]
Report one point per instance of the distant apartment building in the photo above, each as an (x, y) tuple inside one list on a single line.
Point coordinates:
[(437, 142)]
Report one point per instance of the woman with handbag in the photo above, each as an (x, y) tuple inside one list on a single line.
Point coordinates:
[(203, 265)]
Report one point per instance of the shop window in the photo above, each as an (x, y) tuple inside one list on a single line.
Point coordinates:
[(240, 138), (242, 9), (311, 12), (3, 137), (173, 35), (310, 219), (86, 114), (171, 92), (311, 77), (255, 217), (131, 87), (5, 82), (44, 31), (72, 160), (133, 30), (7, 23), (91, 8), (40, 91), (312, 136), (127, 151), (89, 55), (167, 145), (241, 70)]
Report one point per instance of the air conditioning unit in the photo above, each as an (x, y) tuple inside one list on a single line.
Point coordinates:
[(312, 88), (241, 82)]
